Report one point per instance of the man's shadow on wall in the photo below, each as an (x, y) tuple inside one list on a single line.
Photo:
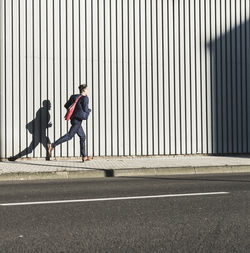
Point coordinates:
[(37, 127)]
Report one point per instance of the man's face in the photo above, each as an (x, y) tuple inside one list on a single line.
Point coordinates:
[(85, 91)]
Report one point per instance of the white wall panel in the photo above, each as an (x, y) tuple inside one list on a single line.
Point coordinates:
[(165, 63), (148, 81), (2, 78), (164, 76), (187, 62), (132, 77), (9, 78), (181, 61), (203, 62)]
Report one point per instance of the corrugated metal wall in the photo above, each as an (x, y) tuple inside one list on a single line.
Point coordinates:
[(165, 76)]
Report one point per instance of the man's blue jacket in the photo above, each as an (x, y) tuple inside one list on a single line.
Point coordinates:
[(82, 110)]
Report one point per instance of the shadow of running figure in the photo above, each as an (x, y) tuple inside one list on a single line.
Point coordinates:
[(37, 127)]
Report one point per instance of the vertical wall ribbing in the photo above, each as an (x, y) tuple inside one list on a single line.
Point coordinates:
[(168, 48), (73, 61), (2, 75), (231, 80), (129, 76), (185, 73), (26, 66), (53, 19), (40, 74), (246, 75), (19, 73), (201, 82), (93, 90), (67, 62), (86, 68), (98, 82), (47, 68), (105, 79), (111, 78), (5, 80), (33, 69), (246, 83), (180, 81)]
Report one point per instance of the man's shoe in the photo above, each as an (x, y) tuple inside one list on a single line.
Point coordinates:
[(50, 149), (86, 158), (12, 159)]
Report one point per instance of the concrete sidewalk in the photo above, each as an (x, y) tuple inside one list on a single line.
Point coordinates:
[(32, 169)]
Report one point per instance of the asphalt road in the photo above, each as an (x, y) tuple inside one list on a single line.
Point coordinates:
[(176, 223)]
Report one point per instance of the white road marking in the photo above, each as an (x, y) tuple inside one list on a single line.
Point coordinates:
[(117, 198)]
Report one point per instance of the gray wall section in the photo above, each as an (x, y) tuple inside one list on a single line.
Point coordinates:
[(164, 76)]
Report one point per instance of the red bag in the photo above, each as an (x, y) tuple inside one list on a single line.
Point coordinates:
[(71, 110)]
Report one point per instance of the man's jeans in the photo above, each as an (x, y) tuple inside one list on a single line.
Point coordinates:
[(76, 128)]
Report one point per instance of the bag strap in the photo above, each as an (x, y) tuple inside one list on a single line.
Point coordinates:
[(78, 99)]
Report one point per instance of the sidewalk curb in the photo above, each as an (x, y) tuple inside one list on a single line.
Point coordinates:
[(187, 170), (130, 172), (22, 176)]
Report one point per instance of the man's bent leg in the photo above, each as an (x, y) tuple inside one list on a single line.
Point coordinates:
[(73, 130)]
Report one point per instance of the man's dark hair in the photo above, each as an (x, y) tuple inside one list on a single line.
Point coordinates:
[(82, 87)]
